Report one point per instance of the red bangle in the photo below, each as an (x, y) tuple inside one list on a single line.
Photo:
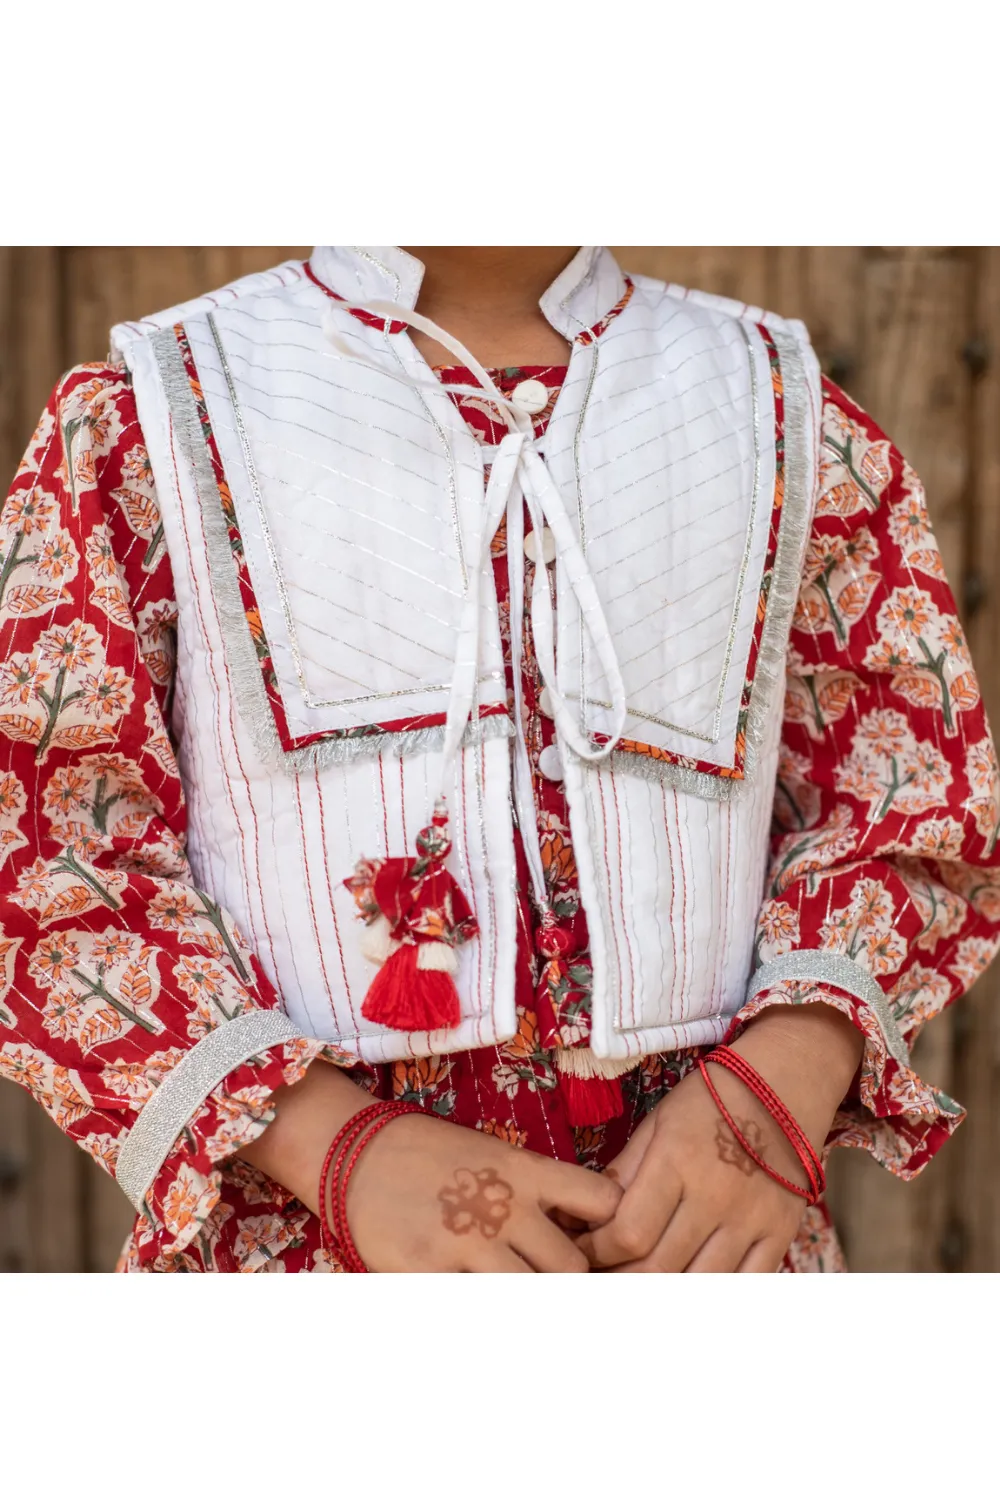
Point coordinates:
[(734, 1063), (738, 1065), (338, 1164)]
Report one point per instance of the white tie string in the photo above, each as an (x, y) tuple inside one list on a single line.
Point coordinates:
[(517, 465)]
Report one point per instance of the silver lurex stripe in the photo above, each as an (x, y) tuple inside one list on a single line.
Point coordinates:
[(833, 968), (185, 1089)]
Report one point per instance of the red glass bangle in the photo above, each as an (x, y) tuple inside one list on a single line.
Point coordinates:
[(338, 1164), (734, 1063)]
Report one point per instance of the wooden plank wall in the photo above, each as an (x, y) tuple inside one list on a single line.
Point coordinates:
[(912, 334)]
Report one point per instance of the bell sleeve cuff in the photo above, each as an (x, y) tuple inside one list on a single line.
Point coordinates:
[(890, 1112)]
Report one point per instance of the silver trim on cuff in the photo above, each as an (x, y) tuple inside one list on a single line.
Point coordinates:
[(185, 1089), (843, 973)]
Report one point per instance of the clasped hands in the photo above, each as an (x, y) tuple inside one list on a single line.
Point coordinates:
[(428, 1195)]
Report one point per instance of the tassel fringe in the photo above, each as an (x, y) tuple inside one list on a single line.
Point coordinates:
[(580, 1062)]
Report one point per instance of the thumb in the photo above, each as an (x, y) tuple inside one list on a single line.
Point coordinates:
[(625, 1166)]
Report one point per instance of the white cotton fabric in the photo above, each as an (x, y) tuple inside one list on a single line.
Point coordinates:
[(360, 503)]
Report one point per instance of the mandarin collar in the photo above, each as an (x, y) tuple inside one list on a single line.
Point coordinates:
[(581, 295)]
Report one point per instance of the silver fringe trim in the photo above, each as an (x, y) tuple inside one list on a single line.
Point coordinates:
[(833, 968), (244, 665), (580, 1062), (696, 783), (793, 532), (337, 752), (185, 1089)]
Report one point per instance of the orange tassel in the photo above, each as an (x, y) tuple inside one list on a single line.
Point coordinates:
[(591, 1101), (408, 997)]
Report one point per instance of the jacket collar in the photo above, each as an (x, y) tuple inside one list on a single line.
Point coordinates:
[(581, 295)]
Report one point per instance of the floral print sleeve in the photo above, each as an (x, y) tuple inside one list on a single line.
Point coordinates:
[(885, 870), (113, 967)]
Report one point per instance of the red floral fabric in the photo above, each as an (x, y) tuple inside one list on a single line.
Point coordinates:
[(113, 965)]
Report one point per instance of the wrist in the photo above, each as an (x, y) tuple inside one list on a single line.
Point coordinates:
[(809, 1054), (308, 1115)]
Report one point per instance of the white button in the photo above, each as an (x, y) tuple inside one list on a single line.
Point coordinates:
[(550, 763), (545, 703), (548, 546), (530, 396)]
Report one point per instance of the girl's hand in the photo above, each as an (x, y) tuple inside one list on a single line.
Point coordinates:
[(693, 1199), (426, 1195)]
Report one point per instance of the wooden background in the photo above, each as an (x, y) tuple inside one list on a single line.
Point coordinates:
[(911, 333)]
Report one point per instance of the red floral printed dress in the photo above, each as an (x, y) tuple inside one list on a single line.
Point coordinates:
[(112, 965)]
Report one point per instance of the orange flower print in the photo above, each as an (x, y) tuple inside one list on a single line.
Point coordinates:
[(254, 621), (908, 611), (507, 1132), (54, 960), (198, 977), (777, 930), (181, 1201), (173, 911), (30, 511), (526, 1042), (57, 560), (110, 948), (938, 838), (557, 859), (909, 523), (885, 732), (972, 957), (13, 801), (25, 1066), (136, 467), (106, 694), (20, 679), (69, 648), (884, 952), (100, 553), (68, 791), (264, 1237), (417, 1079)]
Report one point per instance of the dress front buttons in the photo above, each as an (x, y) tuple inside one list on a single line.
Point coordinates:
[(548, 548), (545, 703), (550, 763), (530, 397)]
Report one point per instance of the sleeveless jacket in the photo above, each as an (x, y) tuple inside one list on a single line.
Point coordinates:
[(326, 523)]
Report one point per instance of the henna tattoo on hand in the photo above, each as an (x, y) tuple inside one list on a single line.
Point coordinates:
[(731, 1152), (479, 1200)]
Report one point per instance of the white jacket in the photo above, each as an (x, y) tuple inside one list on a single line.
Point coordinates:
[(358, 501)]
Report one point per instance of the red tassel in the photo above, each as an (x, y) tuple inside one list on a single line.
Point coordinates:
[(409, 998), (591, 1101), (425, 919)]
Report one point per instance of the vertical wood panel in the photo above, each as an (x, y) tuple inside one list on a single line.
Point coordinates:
[(912, 378), (890, 326), (730, 271), (41, 1172), (976, 1178)]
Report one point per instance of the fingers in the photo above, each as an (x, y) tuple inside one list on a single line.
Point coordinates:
[(722, 1251), (763, 1256), (640, 1220), (499, 1259), (545, 1247), (626, 1164), (586, 1196)]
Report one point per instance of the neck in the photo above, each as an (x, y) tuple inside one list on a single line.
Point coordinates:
[(487, 296)]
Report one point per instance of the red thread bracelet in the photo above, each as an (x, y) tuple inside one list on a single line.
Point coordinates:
[(339, 1162), (345, 1165), (738, 1065), (734, 1063)]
